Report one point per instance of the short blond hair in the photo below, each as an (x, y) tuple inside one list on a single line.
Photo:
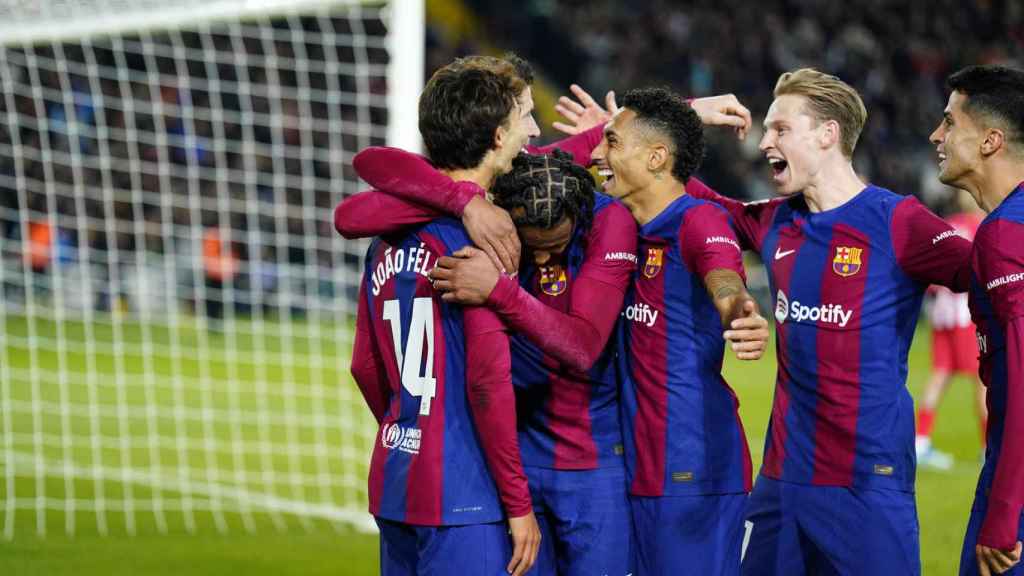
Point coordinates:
[(828, 98)]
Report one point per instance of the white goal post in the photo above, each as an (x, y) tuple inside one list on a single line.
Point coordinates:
[(175, 306)]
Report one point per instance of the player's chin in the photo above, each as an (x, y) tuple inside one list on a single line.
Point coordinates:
[(609, 188), (946, 177), (786, 189)]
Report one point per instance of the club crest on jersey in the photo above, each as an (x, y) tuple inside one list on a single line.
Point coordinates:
[(847, 261), (553, 280), (653, 264)]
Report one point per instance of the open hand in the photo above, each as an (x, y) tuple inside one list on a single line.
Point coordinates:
[(723, 110), (584, 114)]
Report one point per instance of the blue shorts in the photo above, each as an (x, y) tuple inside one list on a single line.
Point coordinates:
[(585, 524), (968, 556), (793, 529), (407, 550), (680, 535)]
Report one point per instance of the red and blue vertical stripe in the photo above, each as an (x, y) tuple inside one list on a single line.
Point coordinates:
[(567, 420), (445, 480), (682, 431), (1005, 226), (845, 312)]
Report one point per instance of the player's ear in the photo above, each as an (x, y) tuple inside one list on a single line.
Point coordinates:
[(657, 158), (993, 141), (829, 134), (500, 135)]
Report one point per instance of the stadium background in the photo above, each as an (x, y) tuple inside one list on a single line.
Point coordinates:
[(144, 434)]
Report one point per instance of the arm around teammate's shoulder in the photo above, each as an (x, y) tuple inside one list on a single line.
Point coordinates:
[(750, 220), (374, 213), (928, 249)]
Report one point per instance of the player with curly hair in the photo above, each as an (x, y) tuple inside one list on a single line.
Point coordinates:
[(848, 263), (580, 253), (687, 460)]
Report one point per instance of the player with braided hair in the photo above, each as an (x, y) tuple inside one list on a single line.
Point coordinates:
[(579, 255), (542, 189)]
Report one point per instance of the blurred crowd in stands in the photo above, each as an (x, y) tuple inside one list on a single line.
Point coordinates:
[(897, 53), (179, 134)]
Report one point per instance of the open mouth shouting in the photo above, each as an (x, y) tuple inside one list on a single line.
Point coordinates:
[(779, 169)]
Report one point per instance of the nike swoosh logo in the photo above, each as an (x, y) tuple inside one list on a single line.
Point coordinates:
[(779, 255)]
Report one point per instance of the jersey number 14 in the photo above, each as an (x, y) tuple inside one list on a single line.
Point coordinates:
[(417, 368)]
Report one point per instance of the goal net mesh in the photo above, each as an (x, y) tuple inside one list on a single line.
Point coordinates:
[(175, 325)]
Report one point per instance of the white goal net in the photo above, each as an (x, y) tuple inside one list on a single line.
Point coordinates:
[(174, 302)]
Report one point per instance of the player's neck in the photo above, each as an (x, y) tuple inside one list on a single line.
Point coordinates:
[(647, 204), (996, 183), (483, 175), (834, 185)]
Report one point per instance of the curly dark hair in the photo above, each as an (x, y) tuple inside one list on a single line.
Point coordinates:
[(463, 104), (547, 188), (665, 112)]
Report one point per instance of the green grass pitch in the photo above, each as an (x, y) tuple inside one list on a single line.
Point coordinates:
[(319, 547)]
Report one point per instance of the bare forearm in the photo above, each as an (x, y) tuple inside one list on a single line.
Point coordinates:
[(728, 293)]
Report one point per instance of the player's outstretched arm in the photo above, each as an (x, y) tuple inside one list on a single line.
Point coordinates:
[(374, 213), (367, 366), (412, 178), (580, 147), (585, 113), (928, 249), (492, 404), (751, 221), (723, 110)]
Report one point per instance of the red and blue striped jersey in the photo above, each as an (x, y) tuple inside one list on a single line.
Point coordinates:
[(997, 308), (949, 310), (563, 314), (682, 431), (848, 285), (437, 377), (569, 418)]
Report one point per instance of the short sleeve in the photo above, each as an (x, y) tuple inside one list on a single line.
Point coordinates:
[(928, 248), (708, 242), (611, 247), (999, 261)]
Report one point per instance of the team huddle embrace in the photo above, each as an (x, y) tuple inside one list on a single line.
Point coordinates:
[(544, 354)]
